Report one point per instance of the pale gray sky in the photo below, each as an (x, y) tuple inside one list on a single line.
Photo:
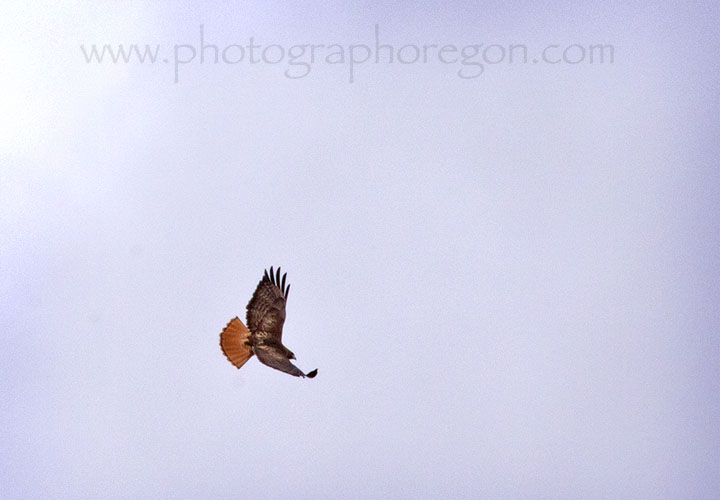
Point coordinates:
[(508, 283)]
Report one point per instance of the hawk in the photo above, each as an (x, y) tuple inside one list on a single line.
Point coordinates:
[(263, 335)]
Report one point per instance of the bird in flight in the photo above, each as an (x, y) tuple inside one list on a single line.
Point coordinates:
[(263, 335)]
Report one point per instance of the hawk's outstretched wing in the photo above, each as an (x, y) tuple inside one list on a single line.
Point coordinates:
[(266, 310), (273, 356), (234, 342)]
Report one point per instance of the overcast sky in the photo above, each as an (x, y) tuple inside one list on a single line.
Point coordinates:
[(505, 272)]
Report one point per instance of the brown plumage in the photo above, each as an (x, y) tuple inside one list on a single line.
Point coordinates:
[(263, 336)]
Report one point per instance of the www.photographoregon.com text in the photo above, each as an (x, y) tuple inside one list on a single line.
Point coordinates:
[(469, 61)]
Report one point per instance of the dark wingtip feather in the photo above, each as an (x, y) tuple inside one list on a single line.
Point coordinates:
[(287, 292), (277, 277), (312, 373), (282, 285)]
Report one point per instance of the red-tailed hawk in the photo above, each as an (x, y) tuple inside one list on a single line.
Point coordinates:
[(263, 334)]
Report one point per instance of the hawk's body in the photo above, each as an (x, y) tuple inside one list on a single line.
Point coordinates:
[(263, 336)]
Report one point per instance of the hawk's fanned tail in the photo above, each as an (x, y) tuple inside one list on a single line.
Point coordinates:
[(234, 342)]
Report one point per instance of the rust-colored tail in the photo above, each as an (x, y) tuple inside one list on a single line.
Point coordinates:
[(234, 342)]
